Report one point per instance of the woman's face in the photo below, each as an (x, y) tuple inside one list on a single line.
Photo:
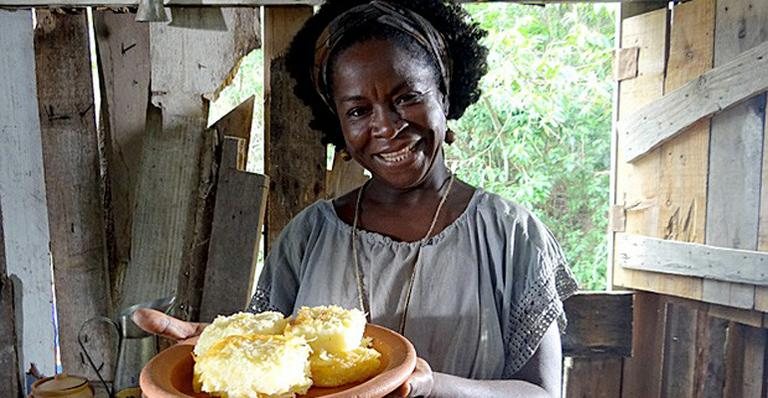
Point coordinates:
[(390, 110)]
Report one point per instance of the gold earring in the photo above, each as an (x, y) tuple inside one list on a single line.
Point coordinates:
[(345, 156), (450, 136)]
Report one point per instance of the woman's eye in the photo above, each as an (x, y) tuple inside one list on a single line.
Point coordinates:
[(408, 98), (356, 112)]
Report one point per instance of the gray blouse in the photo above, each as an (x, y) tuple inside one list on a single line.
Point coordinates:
[(487, 288)]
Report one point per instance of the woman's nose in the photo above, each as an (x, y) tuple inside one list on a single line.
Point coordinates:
[(385, 123)]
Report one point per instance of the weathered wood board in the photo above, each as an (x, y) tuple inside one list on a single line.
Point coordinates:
[(237, 220), (582, 379), (22, 192), (680, 258), (9, 369), (745, 361), (71, 164), (123, 57), (736, 151), (678, 378), (191, 58), (713, 92), (761, 293), (599, 325), (637, 187), (294, 158), (345, 176), (642, 373)]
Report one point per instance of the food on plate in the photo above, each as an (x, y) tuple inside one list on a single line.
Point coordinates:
[(328, 328), (240, 324), (267, 356), (262, 366), (331, 369)]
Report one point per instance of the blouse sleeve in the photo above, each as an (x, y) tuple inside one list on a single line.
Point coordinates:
[(540, 281), (279, 280)]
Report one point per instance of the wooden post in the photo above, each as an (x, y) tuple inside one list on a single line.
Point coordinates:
[(22, 192), (9, 360), (236, 230), (294, 156), (123, 58), (190, 59), (736, 152), (71, 161)]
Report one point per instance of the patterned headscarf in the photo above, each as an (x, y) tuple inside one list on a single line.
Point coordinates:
[(404, 20)]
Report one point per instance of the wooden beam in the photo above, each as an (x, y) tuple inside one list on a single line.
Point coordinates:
[(345, 176), (294, 158), (235, 235), (190, 59), (594, 378), (735, 159), (124, 68), (645, 4), (599, 325), (691, 259), (22, 192), (642, 372), (71, 164), (679, 371), (9, 360), (714, 92)]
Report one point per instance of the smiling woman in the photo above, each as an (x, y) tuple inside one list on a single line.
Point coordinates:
[(474, 281)]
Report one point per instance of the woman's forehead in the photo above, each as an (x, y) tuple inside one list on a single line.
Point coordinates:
[(382, 59)]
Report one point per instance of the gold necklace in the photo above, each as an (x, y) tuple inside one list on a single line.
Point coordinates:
[(362, 297)]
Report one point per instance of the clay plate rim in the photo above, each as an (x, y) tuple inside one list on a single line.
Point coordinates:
[(171, 368)]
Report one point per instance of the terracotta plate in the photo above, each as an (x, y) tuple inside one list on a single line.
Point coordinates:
[(169, 373)]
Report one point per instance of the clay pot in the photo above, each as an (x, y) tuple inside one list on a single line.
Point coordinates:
[(62, 386)]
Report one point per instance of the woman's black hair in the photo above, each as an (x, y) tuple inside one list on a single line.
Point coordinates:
[(462, 37)]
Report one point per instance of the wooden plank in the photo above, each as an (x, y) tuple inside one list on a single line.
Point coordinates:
[(636, 185), (761, 293), (294, 157), (712, 93), (191, 58), (123, 54), (9, 360), (625, 65), (710, 358), (643, 4), (234, 247), (642, 372), (691, 259), (679, 352), (685, 160), (745, 359), (600, 324), (345, 176), (22, 192), (71, 161), (594, 378), (632, 9), (736, 143)]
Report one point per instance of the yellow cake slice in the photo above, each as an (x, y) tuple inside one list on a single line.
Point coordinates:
[(240, 324), (336, 369), (256, 366), (328, 328)]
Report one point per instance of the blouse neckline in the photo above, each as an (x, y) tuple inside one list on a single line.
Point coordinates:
[(375, 237)]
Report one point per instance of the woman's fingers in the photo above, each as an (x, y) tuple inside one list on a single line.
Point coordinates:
[(158, 323), (419, 384)]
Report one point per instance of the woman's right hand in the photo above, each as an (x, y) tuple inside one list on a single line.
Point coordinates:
[(156, 322)]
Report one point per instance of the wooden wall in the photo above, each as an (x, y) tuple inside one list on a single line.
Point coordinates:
[(696, 334), (123, 214)]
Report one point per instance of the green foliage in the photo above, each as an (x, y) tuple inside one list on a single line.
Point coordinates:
[(540, 134)]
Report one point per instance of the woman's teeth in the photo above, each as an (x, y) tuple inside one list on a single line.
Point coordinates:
[(394, 157)]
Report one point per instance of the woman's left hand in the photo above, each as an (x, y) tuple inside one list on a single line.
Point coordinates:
[(419, 384)]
